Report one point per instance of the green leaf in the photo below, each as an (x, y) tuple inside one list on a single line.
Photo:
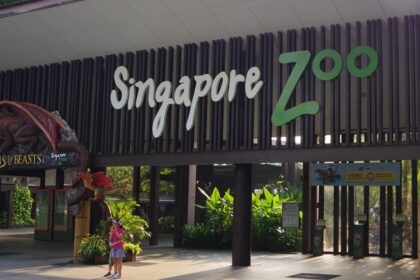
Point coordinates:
[(228, 196), (268, 196), (215, 196)]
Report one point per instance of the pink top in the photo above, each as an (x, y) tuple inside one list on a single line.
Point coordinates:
[(117, 236)]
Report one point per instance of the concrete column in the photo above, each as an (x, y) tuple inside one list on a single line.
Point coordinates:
[(192, 182), (241, 247), (154, 204), (181, 202)]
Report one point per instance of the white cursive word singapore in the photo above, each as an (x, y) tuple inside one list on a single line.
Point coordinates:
[(132, 93)]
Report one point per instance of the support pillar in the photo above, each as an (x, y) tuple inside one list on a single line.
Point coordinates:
[(291, 173), (42, 180), (307, 225), (81, 228), (181, 202), (154, 204), (241, 241), (10, 209), (192, 182), (59, 179), (136, 183)]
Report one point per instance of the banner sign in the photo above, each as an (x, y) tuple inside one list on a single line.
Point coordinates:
[(356, 174), (290, 214), (48, 160)]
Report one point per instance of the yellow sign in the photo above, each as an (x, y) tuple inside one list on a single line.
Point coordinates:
[(30, 159), (371, 176)]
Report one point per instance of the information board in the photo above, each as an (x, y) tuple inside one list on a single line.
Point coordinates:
[(290, 214), (356, 174)]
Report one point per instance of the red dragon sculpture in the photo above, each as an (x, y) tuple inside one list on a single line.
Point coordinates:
[(26, 128)]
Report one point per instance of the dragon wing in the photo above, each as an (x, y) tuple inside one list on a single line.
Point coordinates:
[(47, 122)]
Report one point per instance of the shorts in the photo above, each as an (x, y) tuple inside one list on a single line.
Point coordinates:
[(118, 253)]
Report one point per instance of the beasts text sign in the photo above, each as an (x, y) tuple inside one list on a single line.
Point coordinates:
[(37, 161)]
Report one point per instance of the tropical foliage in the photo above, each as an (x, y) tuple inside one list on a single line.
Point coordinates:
[(134, 226), (22, 206), (93, 246), (267, 233), (123, 178), (132, 248), (166, 224)]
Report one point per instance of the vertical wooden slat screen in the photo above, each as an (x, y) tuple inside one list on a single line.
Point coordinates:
[(407, 91), (378, 110), (358, 91), (150, 140), (250, 104), (323, 101), (169, 130), (380, 86), (202, 113), (395, 77), (348, 138)]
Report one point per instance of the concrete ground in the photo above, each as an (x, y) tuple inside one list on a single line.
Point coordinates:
[(24, 258)]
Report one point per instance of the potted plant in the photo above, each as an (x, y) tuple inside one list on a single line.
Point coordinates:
[(131, 251), (93, 250)]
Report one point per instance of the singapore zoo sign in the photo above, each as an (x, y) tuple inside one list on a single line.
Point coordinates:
[(131, 93)]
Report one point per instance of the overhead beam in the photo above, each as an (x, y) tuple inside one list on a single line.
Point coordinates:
[(258, 156)]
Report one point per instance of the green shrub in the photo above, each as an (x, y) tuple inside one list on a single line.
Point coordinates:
[(22, 206), (132, 248), (166, 224), (93, 246), (204, 236), (266, 230)]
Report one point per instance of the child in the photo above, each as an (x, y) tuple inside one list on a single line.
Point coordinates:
[(110, 260), (117, 247)]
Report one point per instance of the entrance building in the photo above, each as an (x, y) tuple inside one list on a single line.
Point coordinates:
[(332, 93)]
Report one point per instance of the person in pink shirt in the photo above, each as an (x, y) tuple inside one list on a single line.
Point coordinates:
[(117, 244)]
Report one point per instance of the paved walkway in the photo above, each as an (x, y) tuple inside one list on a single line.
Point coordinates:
[(23, 258), (17, 232)]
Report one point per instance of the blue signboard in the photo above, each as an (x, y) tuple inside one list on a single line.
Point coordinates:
[(356, 174)]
